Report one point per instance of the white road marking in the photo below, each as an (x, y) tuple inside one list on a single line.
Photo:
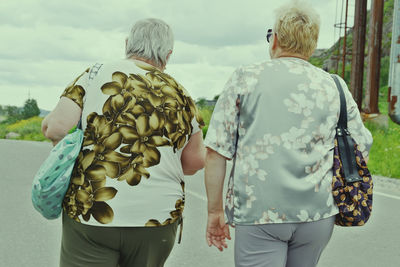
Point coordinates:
[(375, 193), (386, 195)]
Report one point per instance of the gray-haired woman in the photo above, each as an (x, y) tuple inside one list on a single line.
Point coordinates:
[(126, 195), (279, 117)]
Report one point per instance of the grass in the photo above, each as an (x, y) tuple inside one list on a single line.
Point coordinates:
[(385, 151), (206, 112), (384, 156), (29, 129)]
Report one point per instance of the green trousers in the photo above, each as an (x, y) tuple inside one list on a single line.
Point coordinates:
[(97, 246)]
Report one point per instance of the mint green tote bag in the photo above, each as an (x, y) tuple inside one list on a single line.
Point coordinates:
[(52, 179)]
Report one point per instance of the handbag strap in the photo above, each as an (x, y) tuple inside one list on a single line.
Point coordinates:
[(79, 126), (346, 144), (342, 123), (237, 132)]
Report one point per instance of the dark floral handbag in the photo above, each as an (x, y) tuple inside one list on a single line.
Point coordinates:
[(352, 182)]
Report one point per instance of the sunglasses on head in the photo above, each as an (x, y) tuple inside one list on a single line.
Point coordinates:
[(269, 34)]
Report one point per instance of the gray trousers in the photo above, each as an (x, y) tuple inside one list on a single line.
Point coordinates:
[(282, 245)]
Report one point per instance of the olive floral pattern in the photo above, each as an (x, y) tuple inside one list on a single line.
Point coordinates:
[(142, 113), (175, 214)]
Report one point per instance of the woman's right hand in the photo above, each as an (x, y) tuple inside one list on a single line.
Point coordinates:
[(217, 230)]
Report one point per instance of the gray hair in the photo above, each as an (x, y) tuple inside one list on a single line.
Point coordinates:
[(151, 39)]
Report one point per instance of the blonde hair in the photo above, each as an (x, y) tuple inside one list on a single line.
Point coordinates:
[(297, 28)]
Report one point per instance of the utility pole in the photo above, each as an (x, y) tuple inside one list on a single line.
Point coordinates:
[(374, 55), (394, 76), (358, 54), (344, 41)]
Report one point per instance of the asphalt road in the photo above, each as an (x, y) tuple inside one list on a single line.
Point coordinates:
[(26, 239)]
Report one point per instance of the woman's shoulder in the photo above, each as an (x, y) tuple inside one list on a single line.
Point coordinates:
[(256, 67), (112, 66)]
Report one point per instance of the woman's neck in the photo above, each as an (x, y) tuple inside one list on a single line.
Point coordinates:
[(283, 54), (148, 62)]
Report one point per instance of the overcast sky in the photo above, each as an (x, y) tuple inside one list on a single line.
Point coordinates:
[(46, 44)]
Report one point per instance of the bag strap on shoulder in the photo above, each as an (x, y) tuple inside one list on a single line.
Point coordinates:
[(343, 108)]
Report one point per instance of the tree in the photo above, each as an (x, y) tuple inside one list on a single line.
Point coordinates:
[(201, 102), (30, 109), (13, 112)]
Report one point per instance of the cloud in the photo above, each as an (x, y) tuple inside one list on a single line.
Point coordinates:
[(206, 22), (201, 79), (16, 95), (46, 44), (90, 14), (43, 80), (234, 56), (52, 42)]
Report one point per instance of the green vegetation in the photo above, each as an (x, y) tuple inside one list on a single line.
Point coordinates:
[(29, 129), (22, 121), (206, 112), (385, 152), (14, 114), (30, 109)]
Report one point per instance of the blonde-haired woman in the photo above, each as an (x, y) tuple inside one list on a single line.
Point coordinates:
[(278, 120)]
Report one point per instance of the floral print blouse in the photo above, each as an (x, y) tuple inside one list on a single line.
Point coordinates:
[(136, 122), (285, 112)]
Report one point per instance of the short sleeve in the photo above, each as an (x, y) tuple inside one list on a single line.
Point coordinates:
[(195, 125), (355, 125), (222, 130), (197, 121), (76, 90)]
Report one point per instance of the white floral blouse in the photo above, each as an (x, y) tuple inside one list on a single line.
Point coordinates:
[(287, 113)]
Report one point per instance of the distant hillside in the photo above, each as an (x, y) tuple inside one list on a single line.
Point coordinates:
[(327, 58), (43, 113)]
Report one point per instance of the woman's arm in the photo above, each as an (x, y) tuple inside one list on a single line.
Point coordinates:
[(65, 116), (217, 230), (193, 155)]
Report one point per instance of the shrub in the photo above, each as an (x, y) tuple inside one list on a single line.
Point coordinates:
[(29, 129)]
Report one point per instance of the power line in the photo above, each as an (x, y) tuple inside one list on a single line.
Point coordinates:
[(336, 13), (341, 21)]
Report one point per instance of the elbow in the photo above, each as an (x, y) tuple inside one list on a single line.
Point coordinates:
[(192, 165), (201, 162), (50, 133), (189, 172), (197, 164), (54, 131)]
